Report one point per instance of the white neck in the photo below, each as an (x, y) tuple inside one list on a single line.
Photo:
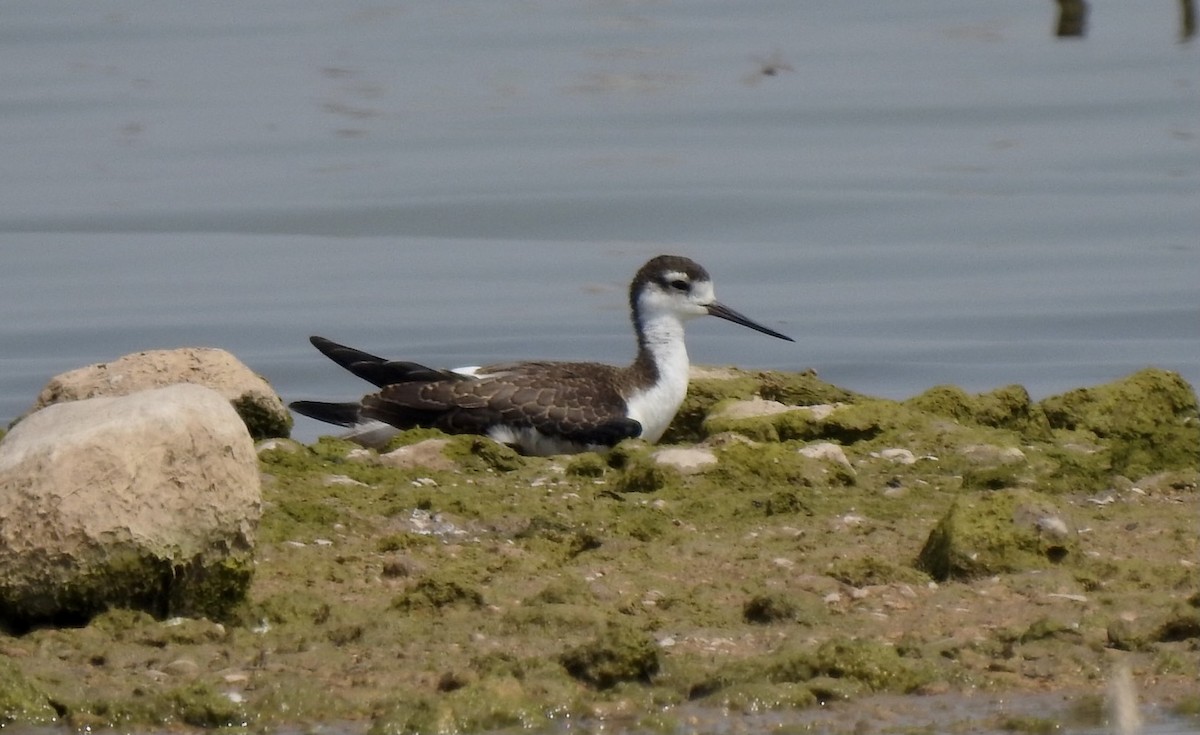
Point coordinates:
[(655, 405)]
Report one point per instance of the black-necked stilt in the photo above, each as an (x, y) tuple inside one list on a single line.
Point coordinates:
[(544, 407)]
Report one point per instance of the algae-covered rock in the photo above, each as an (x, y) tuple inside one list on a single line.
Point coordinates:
[(1004, 408), (1181, 623), (996, 533), (437, 591), (840, 668), (863, 571), (876, 666), (1148, 421), (465, 704), (769, 607), (202, 705), (709, 387), (619, 653), (149, 500), (1011, 408), (643, 476), (770, 421), (945, 400)]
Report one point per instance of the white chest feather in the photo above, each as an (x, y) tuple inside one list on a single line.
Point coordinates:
[(654, 407)]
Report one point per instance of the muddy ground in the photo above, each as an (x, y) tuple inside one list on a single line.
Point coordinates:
[(867, 560)]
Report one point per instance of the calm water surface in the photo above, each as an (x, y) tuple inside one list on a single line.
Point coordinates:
[(933, 192), (926, 192)]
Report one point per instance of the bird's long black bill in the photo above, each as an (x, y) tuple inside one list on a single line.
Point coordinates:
[(724, 312)]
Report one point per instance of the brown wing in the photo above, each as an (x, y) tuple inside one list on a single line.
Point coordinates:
[(575, 401)]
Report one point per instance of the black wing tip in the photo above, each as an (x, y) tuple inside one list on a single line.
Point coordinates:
[(606, 434), (341, 414)]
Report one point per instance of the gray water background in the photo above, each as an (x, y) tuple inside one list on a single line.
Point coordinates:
[(934, 191)]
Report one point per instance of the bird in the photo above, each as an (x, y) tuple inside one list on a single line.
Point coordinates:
[(544, 408)]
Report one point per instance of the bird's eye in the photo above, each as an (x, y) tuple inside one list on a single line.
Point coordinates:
[(679, 284)]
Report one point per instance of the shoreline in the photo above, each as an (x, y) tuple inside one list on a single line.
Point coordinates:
[(489, 591)]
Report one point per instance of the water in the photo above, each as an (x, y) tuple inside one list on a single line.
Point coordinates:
[(936, 192)]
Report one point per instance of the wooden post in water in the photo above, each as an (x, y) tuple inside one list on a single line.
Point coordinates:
[(1187, 19), (1072, 18)]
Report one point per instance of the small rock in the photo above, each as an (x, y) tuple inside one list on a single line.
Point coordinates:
[(687, 460), (277, 444), (751, 408), (827, 451), (726, 439), (822, 410), (363, 455), (992, 454), (426, 454), (341, 480), (897, 455), (182, 667)]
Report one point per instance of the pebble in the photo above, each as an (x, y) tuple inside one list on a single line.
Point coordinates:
[(687, 460), (342, 480), (828, 451), (899, 456), (182, 667), (363, 456)]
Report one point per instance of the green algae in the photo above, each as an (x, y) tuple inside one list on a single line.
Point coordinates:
[(408, 437), (587, 464), (839, 668), (804, 388), (706, 393), (770, 607), (437, 591), (262, 420), (867, 570), (482, 453), (1008, 408), (201, 705), (990, 478), (875, 665), (770, 696), (643, 475), (451, 600), (488, 705), (1076, 470), (20, 700), (945, 400), (1011, 408), (620, 653), (200, 585)]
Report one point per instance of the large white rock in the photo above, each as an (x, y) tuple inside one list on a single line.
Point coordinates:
[(149, 500), (257, 403)]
